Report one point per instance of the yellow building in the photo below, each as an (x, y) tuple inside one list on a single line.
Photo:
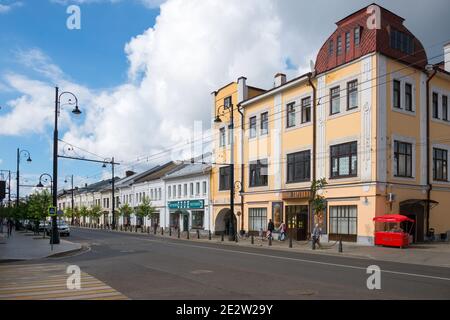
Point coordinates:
[(360, 120)]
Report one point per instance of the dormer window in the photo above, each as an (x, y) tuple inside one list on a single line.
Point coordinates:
[(357, 36), (330, 47), (339, 45), (347, 41), (401, 41)]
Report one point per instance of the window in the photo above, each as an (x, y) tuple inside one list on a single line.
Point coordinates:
[(402, 159), (298, 166), (192, 188), (357, 36), (435, 106), (257, 219), (174, 191), (179, 191), (151, 194), (230, 132), (185, 190), (352, 94), (222, 137), (401, 41), (445, 108), (344, 160), (224, 178), (306, 109), (204, 188), (264, 123), (197, 188), (440, 168), (197, 219), (408, 97), (330, 47), (343, 220), (169, 191), (347, 41), (290, 115), (335, 100), (396, 94), (227, 102), (258, 173), (339, 45), (253, 127)]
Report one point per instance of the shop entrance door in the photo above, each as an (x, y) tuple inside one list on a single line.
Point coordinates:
[(185, 222), (297, 222)]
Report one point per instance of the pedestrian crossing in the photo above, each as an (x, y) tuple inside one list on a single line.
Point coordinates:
[(49, 282)]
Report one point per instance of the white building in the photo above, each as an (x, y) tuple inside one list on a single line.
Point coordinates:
[(188, 198)]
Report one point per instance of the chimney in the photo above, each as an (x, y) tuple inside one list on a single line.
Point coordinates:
[(129, 173), (242, 89), (447, 57), (280, 79)]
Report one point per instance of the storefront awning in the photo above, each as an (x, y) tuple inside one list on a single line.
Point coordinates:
[(392, 218), (422, 202)]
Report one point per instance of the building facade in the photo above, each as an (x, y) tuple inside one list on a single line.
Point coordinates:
[(371, 119)]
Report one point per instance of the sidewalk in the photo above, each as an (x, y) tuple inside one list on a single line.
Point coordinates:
[(26, 246), (431, 254)]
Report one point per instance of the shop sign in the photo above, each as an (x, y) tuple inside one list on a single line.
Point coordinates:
[(305, 194), (186, 204)]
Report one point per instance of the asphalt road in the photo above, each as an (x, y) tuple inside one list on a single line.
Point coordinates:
[(148, 267)]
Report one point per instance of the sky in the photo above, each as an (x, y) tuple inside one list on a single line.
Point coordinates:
[(143, 70)]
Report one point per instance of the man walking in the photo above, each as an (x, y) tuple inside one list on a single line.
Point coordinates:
[(10, 225), (270, 228), (317, 232)]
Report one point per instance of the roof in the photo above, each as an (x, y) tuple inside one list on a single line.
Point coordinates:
[(371, 40), (189, 170), (156, 173)]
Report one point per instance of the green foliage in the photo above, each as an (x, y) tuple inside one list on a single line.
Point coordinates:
[(125, 210), (36, 207), (318, 202), (84, 212), (145, 209), (95, 212)]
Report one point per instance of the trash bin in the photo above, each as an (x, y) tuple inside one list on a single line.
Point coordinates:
[(443, 236), (431, 234)]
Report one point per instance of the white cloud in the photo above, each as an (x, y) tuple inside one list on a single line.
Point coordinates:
[(5, 8), (151, 4), (195, 47)]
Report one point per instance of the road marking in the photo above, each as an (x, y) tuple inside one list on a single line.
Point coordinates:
[(308, 261), (44, 282)]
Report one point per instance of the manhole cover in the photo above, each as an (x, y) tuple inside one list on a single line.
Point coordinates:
[(200, 271), (299, 292)]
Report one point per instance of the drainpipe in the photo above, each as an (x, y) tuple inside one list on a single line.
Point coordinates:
[(429, 185), (310, 75), (239, 108)]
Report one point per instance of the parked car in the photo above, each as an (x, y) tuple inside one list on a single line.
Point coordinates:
[(43, 226), (63, 228)]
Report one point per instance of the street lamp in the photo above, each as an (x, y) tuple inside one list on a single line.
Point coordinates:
[(75, 111), (46, 177), (72, 202), (232, 234), (19, 154), (113, 195)]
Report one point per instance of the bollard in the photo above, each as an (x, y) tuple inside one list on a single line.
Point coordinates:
[(270, 241), (222, 237), (198, 234), (290, 242), (236, 238), (162, 231), (170, 231), (178, 233), (252, 239), (313, 243), (188, 234), (340, 244), (209, 234), (154, 229), (148, 230)]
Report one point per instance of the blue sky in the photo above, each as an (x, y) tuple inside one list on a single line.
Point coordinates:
[(93, 56), (144, 69)]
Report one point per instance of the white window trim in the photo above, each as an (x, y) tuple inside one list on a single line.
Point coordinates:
[(403, 81), (298, 112), (328, 159), (440, 93), (342, 83), (292, 185), (411, 140)]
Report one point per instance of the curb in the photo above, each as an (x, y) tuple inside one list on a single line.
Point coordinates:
[(62, 254)]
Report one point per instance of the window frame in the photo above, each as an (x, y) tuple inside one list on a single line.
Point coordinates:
[(409, 107), (357, 36), (305, 109), (256, 178), (224, 183), (444, 113), (295, 161), (396, 100), (339, 45), (257, 217), (264, 123), (341, 214), (335, 98), (435, 105), (351, 91), (222, 137), (290, 112), (443, 176), (408, 159), (252, 126), (339, 154), (347, 41)]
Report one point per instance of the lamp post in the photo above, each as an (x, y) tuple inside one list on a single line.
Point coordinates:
[(113, 195), (232, 234), (19, 153), (40, 185), (72, 201), (76, 111)]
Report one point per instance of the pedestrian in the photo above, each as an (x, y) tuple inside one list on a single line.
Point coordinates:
[(270, 228), (10, 225), (282, 230), (317, 232)]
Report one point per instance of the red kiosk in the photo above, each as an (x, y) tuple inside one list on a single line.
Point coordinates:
[(392, 236)]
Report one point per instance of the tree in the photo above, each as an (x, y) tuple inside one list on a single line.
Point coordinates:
[(125, 210), (318, 202), (84, 212), (95, 212), (145, 209), (37, 207)]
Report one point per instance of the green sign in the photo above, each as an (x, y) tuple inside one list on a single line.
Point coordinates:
[(186, 204)]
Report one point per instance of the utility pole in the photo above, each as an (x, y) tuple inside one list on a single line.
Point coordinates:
[(232, 234), (72, 200), (113, 197)]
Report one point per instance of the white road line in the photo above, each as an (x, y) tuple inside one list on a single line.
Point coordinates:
[(307, 261)]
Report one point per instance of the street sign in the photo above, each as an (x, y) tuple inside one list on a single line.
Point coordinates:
[(60, 212), (52, 211)]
